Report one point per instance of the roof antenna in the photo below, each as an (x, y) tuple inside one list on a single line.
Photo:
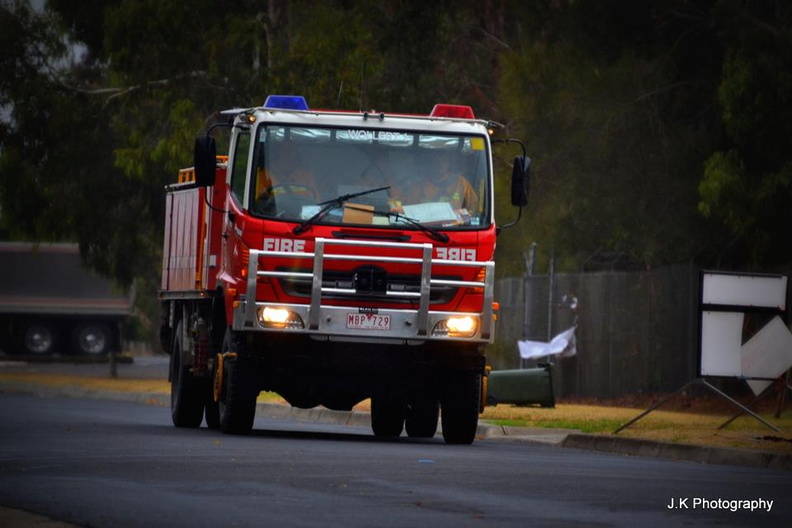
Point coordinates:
[(362, 77), (338, 102)]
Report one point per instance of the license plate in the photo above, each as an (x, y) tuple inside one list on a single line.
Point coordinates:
[(368, 322)]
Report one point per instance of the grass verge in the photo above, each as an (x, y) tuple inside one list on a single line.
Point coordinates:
[(689, 427)]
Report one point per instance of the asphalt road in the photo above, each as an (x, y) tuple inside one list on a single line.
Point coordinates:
[(115, 464)]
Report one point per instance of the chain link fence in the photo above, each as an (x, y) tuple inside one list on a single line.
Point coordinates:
[(637, 332)]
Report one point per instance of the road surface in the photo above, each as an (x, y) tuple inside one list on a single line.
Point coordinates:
[(117, 464)]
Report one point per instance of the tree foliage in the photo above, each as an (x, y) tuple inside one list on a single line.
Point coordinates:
[(747, 182), (659, 130)]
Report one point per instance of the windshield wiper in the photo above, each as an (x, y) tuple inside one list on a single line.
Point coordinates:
[(329, 205), (433, 233)]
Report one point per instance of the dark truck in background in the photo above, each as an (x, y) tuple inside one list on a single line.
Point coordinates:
[(50, 303)]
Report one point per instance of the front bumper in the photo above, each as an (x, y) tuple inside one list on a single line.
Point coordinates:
[(330, 322)]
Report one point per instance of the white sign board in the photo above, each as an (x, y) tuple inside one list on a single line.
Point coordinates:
[(721, 340), (768, 354), (725, 299), (754, 291)]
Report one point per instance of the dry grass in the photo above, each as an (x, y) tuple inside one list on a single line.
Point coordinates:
[(153, 386), (689, 427), (97, 384), (685, 420)]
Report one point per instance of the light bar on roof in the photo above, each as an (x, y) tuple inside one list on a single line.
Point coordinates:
[(286, 102), (449, 110)]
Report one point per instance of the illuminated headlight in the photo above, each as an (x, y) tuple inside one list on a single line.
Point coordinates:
[(464, 326), (279, 318)]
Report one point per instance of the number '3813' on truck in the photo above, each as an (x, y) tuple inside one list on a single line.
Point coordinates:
[(333, 257)]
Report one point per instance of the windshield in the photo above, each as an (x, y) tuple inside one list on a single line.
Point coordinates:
[(370, 177)]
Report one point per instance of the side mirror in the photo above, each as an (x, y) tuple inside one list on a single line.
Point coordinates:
[(521, 181), (205, 159)]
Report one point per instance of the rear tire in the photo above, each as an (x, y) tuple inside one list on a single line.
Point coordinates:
[(387, 415), (422, 415), (187, 391), (237, 401), (460, 403)]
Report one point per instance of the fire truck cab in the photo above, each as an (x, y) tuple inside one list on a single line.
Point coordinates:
[(333, 257)]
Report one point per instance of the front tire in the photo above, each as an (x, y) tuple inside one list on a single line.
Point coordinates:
[(460, 402)]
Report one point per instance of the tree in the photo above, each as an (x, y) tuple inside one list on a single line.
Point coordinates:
[(640, 116), (617, 100), (747, 183)]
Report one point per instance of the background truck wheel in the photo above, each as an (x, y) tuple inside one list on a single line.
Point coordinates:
[(187, 391), (39, 339), (387, 414), (422, 415), (237, 394), (92, 339), (460, 404)]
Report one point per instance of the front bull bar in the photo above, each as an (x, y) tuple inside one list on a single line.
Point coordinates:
[(410, 325)]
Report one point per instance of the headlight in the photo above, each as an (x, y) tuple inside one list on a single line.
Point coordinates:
[(463, 326), (271, 317)]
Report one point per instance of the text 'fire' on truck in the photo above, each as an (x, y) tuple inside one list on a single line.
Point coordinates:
[(332, 257)]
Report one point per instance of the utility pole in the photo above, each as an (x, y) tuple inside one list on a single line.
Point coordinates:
[(529, 257), (550, 297)]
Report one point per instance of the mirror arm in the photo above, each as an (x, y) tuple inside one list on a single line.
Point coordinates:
[(512, 223), (513, 140)]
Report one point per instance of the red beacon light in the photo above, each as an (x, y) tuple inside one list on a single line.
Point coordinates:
[(455, 111)]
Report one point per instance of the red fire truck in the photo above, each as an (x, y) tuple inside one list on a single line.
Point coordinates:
[(333, 257)]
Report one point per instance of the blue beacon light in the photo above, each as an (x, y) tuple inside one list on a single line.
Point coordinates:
[(286, 102)]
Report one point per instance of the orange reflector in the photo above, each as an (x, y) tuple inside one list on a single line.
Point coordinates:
[(480, 277), (244, 259)]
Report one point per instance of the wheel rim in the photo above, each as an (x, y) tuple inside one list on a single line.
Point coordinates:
[(92, 340), (39, 339)]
